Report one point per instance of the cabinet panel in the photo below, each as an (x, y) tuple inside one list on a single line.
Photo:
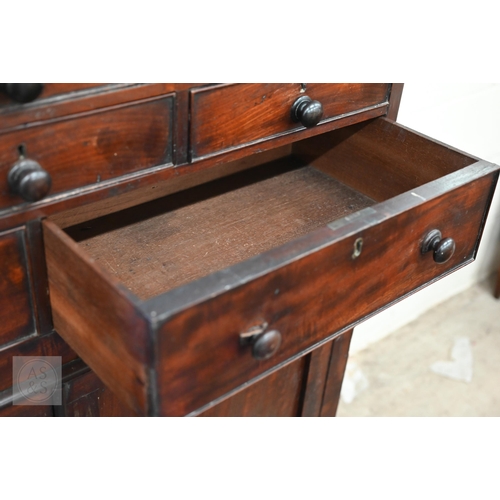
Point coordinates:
[(277, 395), (16, 316)]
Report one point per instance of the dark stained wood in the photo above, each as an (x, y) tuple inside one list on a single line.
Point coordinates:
[(394, 101), (92, 148), (247, 113), (191, 177), (277, 395), (148, 184), (26, 411), (38, 277), (308, 387), (186, 236), (380, 158), (48, 345), (336, 369), (98, 319), (319, 360), (85, 395), (23, 116), (309, 288), (16, 316), (178, 352), (181, 127), (28, 180), (49, 90)]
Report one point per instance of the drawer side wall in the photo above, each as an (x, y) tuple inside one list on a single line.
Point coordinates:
[(381, 159), (97, 319)]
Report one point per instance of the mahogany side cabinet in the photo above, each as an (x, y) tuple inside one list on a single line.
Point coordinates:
[(207, 249)]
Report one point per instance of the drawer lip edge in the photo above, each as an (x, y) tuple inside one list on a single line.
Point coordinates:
[(220, 282)]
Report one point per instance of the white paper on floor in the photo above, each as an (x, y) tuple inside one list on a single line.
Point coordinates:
[(461, 366), (354, 383)]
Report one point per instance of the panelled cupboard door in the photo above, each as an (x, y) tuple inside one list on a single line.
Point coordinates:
[(277, 395), (308, 387), (179, 302)]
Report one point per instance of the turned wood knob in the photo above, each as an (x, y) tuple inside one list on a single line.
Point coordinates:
[(22, 92), (29, 180), (442, 248), (307, 111), (266, 345)]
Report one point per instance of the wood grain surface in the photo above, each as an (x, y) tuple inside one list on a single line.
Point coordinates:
[(21, 116), (16, 304), (318, 363), (251, 112), (26, 411), (93, 148), (277, 395), (49, 90), (98, 319), (380, 158), (335, 377), (197, 232), (150, 184), (86, 396), (47, 345), (310, 288)]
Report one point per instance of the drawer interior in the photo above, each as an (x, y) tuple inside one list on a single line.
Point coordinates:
[(177, 239)]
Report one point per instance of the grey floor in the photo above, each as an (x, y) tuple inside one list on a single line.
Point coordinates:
[(445, 363)]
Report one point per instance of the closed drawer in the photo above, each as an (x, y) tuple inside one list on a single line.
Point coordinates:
[(17, 320), (231, 116), (20, 94), (90, 148), (160, 300)]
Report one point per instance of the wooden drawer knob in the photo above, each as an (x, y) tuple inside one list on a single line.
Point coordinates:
[(266, 345), (22, 92), (307, 111), (29, 180), (442, 248)]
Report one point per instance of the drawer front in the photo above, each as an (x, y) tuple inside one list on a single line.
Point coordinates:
[(16, 308), (312, 293), (11, 97), (232, 116), (90, 148)]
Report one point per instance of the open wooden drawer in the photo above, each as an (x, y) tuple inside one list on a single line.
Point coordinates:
[(177, 303)]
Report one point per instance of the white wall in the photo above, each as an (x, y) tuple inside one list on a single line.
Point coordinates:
[(466, 116)]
